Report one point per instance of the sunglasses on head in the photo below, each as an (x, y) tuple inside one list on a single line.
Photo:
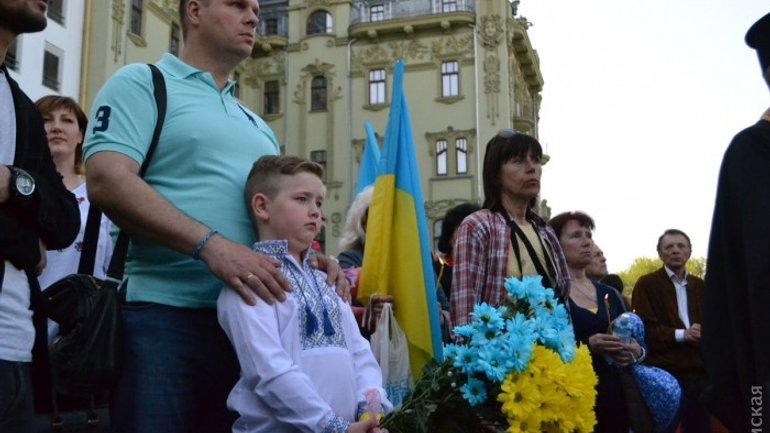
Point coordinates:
[(507, 133)]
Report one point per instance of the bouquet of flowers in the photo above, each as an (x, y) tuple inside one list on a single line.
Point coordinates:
[(514, 368)]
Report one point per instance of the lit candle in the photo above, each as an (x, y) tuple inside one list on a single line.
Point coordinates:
[(607, 311)]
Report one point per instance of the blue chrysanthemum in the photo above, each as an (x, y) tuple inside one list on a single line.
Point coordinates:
[(466, 359), (464, 331), (515, 288), (474, 392), (492, 361), (566, 347), (521, 326), (451, 351), (487, 318), (533, 289)]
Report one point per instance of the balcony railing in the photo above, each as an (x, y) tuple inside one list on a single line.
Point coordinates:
[(395, 9)]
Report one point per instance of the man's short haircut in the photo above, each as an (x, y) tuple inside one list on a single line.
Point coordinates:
[(558, 222), (673, 232), (48, 104), (183, 15), (265, 174)]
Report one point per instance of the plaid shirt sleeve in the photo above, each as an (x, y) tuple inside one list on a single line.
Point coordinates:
[(468, 270)]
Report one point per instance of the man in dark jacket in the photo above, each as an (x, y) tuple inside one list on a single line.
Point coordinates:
[(36, 212), (670, 302), (736, 312)]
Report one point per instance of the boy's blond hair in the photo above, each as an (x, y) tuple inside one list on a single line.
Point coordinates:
[(265, 174)]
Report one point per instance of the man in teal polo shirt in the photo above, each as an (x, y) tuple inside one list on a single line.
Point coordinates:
[(187, 219)]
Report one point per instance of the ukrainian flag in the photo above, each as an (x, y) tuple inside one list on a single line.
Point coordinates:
[(370, 159), (397, 257)]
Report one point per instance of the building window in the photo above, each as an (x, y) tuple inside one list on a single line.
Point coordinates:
[(319, 22), (449, 79), (441, 154), (136, 17), (173, 44), (377, 13), (319, 157), (377, 86), (237, 84), (271, 26), (56, 10), (461, 148), (318, 94), (272, 105), (51, 77), (12, 57), (448, 5)]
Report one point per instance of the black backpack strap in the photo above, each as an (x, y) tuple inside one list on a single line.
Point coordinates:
[(90, 240), (118, 261)]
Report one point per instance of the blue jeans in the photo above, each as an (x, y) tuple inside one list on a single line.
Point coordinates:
[(15, 397), (178, 368)]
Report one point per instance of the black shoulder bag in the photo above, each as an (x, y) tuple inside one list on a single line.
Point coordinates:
[(84, 357)]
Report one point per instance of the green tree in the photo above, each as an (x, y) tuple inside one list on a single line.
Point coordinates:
[(645, 265)]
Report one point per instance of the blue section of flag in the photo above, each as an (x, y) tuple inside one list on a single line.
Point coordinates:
[(370, 161)]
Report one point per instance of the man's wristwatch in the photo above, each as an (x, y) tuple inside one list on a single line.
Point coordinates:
[(22, 185)]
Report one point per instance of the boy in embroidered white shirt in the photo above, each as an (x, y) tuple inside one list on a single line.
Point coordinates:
[(304, 365)]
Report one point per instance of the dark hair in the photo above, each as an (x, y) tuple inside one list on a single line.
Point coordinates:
[(614, 281), (673, 232), (48, 104), (451, 221), (558, 222), (499, 151)]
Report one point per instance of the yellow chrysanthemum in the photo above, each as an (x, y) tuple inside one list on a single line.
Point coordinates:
[(550, 396), (519, 396)]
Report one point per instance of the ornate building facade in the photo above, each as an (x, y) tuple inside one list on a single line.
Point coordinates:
[(321, 68)]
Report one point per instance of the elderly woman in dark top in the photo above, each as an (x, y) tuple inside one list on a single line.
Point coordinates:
[(592, 307), (505, 238)]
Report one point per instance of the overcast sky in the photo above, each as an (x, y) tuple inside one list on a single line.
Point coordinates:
[(641, 98)]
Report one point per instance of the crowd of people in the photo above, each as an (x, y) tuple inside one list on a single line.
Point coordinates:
[(230, 322)]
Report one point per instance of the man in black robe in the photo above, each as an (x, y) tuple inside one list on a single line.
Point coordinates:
[(736, 323)]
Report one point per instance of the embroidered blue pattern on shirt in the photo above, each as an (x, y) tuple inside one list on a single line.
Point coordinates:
[(315, 294), (336, 425)]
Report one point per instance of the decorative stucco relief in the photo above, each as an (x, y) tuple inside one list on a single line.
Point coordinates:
[(255, 70), (491, 31), (408, 50), (491, 34), (435, 210), (118, 13), (367, 56), (386, 54), (451, 46), (314, 70), (451, 135)]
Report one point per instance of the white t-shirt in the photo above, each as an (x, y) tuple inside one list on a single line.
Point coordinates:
[(7, 123)]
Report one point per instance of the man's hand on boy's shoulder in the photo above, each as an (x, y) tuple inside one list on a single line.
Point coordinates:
[(334, 274), (245, 271)]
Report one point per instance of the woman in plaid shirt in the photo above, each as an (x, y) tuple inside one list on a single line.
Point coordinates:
[(505, 238)]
